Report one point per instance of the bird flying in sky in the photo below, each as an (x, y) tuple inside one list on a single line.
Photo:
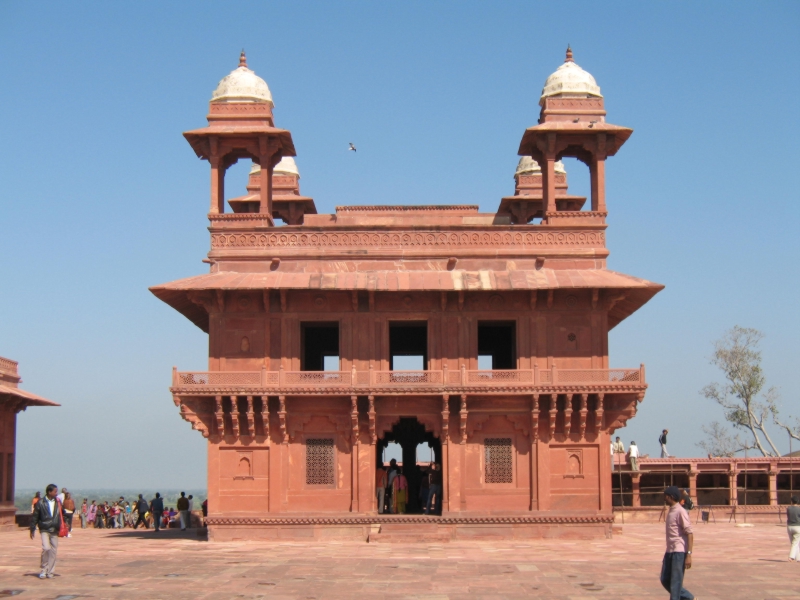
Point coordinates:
[(353, 148)]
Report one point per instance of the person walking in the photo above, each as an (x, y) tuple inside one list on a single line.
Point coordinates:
[(435, 490), (662, 439), (35, 500), (141, 507), (157, 509), (191, 510), (183, 508), (47, 516), (380, 486), (69, 511), (84, 513), (793, 527), (680, 540), (633, 455)]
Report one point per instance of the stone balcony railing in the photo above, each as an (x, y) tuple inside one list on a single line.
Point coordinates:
[(365, 380)]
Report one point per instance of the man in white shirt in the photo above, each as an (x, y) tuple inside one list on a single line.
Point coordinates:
[(633, 454)]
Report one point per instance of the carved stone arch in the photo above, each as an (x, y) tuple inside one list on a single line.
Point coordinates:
[(431, 423)]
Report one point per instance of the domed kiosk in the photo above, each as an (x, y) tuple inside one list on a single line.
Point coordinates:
[(287, 203)]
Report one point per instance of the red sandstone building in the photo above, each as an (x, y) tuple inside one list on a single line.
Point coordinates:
[(12, 401), (506, 313)]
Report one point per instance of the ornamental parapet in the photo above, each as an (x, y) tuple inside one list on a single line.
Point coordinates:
[(246, 234), (202, 383)]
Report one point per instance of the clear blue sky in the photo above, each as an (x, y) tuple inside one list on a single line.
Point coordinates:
[(102, 197)]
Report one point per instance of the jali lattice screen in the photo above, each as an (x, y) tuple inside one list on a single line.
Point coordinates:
[(498, 460), (319, 462)]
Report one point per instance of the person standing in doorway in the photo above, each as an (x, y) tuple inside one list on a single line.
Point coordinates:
[(633, 454), (141, 507), (680, 540), (47, 516), (183, 508), (157, 509), (793, 527), (435, 490), (662, 439), (380, 486), (389, 481)]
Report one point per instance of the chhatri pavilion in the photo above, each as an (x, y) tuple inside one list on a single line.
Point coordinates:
[(313, 322)]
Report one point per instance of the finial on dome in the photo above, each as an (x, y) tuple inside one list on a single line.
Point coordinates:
[(566, 60), (242, 59)]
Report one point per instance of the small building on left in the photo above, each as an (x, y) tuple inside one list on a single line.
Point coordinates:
[(12, 401)]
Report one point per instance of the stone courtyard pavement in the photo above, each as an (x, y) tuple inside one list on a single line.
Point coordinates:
[(730, 563)]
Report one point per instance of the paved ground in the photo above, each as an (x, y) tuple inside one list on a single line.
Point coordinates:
[(730, 563)]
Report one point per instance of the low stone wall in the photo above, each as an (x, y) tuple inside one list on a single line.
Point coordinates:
[(408, 528)]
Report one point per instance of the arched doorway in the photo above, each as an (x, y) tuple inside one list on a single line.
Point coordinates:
[(409, 433)]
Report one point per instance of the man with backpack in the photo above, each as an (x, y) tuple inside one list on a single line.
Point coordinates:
[(142, 508)]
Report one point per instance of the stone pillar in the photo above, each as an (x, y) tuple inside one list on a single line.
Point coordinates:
[(635, 481), (549, 181), (597, 172), (773, 487), (733, 496)]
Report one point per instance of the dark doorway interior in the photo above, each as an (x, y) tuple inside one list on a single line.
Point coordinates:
[(408, 339), (409, 433), (320, 346), (498, 341)]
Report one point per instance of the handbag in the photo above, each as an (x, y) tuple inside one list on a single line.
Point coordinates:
[(63, 531)]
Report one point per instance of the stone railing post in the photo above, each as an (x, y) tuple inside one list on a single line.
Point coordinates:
[(553, 374), (353, 375), (174, 376), (535, 374), (463, 374), (641, 373), (773, 487), (263, 376), (280, 377), (445, 375)]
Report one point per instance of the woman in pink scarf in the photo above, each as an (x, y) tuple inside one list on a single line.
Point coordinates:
[(91, 514), (399, 493)]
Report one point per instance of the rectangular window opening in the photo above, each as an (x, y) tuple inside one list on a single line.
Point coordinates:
[(320, 462), (497, 345), (320, 347), (408, 346), (499, 467)]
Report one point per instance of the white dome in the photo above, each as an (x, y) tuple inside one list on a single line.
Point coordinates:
[(242, 85), (570, 80), (528, 166), (286, 166)]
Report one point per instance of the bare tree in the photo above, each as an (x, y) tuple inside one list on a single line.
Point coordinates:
[(793, 431), (746, 408), (720, 442)]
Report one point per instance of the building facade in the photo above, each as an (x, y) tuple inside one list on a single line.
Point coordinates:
[(12, 401), (484, 335)]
